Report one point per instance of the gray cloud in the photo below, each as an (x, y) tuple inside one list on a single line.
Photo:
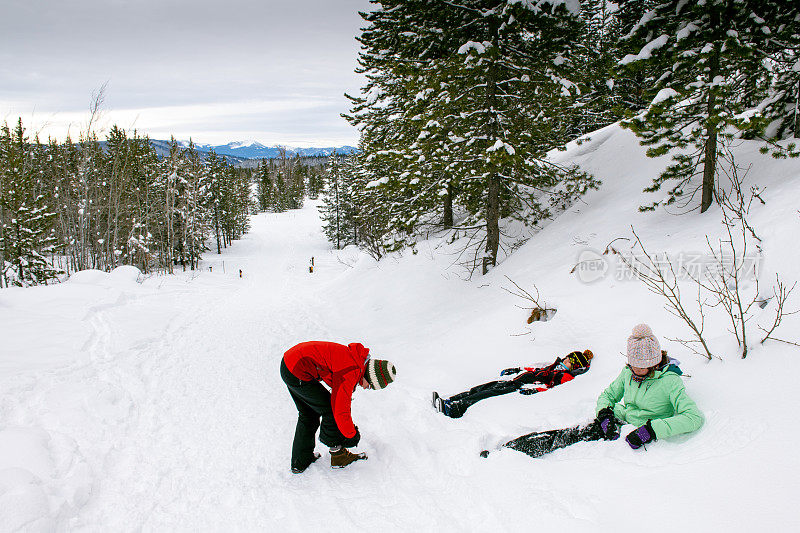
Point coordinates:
[(230, 65)]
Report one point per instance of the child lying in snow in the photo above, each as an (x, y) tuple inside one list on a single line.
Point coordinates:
[(648, 393), (528, 380)]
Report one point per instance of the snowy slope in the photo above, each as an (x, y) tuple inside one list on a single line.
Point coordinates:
[(157, 404)]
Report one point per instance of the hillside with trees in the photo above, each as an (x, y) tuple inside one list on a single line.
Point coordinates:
[(466, 101)]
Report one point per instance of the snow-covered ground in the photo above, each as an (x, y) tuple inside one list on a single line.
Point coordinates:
[(157, 404)]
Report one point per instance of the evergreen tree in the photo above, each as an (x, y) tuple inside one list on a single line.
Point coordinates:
[(215, 203), (708, 57), (783, 49), (26, 222), (335, 199), (466, 98), (264, 187), (605, 94)]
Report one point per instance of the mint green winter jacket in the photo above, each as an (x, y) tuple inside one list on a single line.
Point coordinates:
[(660, 398)]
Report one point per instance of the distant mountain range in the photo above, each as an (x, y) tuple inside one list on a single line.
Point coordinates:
[(256, 150), (247, 153)]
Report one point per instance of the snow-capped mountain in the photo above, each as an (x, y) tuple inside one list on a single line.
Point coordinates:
[(251, 149)]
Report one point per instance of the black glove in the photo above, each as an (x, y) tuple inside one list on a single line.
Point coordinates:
[(509, 371), (608, 424), (641, 436), (352, 442)]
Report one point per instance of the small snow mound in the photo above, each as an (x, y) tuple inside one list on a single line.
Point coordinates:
[(42, 476), (125, 273), (88, 277), (23, 503), (27, 448)]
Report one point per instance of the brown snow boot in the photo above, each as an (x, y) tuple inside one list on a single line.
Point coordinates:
[(344, 457)]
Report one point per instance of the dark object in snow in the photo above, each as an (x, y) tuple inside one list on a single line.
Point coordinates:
[(541, 314), (529, 380), (436, 402), (344, 457), (543, 442), (300, 470)]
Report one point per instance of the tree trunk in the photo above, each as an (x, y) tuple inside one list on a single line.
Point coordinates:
[(493, 184), (447, 217), (797, 113), (710, 157), (492, 223), (216, 228), (709, 168)]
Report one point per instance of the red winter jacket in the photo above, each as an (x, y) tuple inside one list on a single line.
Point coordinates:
[(341, 367)]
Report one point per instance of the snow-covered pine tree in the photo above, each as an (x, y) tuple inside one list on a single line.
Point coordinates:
[(130, 165), (403, 39), (371, 227), (243, 201), (508, 92), (264, 187), (196, 223), (465, 98), (26, 222), (140, 241), (316, 181), (215, 168), (709, 58), (782, 48), (604, 95), (335, 200)]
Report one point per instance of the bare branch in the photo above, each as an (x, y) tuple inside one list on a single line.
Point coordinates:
[(662, 281), (782, 293)]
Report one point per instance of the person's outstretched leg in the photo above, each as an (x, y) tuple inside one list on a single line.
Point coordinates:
[(458, 404)]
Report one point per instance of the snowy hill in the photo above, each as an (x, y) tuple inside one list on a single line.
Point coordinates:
[(134, 402)]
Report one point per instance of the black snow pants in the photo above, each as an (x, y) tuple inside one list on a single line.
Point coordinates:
[(313, 402), (459, 403)]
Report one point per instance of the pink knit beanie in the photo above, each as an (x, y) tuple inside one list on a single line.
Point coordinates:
[(643, 348)]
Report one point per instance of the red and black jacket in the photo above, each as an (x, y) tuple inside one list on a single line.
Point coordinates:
[(341, 367), (548, 375)]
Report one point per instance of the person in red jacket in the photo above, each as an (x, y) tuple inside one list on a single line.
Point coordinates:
[(342, 368)]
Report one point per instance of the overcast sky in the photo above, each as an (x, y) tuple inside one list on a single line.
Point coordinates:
[(268, 70)]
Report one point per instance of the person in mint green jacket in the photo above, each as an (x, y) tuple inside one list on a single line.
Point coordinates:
[(648, 393)]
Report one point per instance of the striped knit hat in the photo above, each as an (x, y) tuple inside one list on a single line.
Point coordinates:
[(379, 373), (580, 359), (643, 348)]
